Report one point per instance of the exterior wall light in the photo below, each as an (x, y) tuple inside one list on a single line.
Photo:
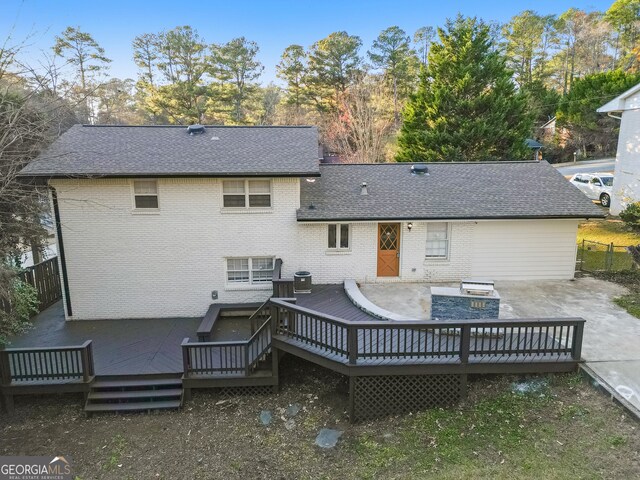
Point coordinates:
[(410, 225)]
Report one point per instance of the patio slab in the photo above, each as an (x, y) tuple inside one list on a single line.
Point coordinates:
[(611, 345)]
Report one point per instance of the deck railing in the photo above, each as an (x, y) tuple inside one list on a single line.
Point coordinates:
[(282, 288), (226, 358), (47, 365), (463, 341)]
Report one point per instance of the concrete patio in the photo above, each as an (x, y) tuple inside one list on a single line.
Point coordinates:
[(611, 344)]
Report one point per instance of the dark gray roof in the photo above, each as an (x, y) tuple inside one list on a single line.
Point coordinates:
[(449, 191), (171, 151)]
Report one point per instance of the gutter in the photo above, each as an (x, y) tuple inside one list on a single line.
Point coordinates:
[(446, 219)]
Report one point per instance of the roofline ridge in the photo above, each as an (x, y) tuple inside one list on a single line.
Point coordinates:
[(489, 162), (107, 125)]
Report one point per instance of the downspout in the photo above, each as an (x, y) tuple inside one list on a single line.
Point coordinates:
[(613, 116), (63, 263)]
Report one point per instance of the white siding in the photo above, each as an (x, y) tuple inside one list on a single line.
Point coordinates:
[(124, 264), (626, 182), (128, 265), (524, 250)]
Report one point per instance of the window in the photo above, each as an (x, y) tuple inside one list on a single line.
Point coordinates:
[(437, 240), (145, 194), (246, 193), (338, 236), (249, 271)]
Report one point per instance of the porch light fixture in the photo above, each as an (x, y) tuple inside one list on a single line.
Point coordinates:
[(410, 225)]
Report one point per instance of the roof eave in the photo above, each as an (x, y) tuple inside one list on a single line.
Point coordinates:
[(448, 218), (91, 176)]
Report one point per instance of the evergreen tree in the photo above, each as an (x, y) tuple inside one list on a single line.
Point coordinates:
[(466, 107)]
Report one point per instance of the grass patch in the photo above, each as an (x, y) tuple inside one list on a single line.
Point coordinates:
[(630, 279), (630, 302), (607, 230), (497, 434)]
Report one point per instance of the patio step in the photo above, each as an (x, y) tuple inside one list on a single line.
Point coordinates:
[(133, 393)]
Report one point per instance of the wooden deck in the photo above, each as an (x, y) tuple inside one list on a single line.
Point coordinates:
[(120, 347), (331, 300)]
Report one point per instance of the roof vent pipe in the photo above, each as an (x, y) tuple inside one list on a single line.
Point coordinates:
[(419, 169), (195, 129), (363, 189)]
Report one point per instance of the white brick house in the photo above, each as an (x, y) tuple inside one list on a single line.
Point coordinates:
[(154, 222), (626, 179)]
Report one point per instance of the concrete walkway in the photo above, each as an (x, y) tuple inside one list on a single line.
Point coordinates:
[(611, 345)]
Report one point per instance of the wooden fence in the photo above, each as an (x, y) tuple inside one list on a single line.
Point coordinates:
[(464, 341), (45, 278)]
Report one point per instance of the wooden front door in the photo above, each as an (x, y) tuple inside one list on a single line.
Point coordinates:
[(388, 249)]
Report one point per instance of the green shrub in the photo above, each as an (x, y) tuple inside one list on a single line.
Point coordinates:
[(631, 216), (23, 298)]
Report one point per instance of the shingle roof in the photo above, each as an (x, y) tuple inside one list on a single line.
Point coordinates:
[(449, 191), (171, 151)]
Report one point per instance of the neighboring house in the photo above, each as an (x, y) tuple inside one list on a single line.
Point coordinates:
[(626, 181), (155, 222)]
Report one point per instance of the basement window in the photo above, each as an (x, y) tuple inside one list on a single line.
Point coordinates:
[(145, 194), (338, 236), (249, 271), (246, 193)]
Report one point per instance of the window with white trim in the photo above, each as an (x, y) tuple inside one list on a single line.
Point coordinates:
[(249, 271), (145, 194), (438, 240), (246, 193), (338, 236)]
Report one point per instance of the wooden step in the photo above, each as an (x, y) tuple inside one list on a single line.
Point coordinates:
[(131, 406), (135, 383), (127, 394)]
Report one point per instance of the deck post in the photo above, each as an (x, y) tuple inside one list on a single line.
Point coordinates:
[(576, 343), (352, 344), (352, 399), (5, 368), (87, 362), (275, 319), (7, 402), (246, 361), (465, 340), (275, 365), (185, 357)]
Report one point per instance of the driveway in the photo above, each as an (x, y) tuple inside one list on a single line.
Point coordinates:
[(611, 345)]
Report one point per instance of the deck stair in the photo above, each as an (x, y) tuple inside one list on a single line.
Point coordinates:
[(134, 393)]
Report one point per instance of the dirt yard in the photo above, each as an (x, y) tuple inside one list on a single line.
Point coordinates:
[(552, 427)]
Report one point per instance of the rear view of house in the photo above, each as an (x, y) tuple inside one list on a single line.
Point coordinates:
[(162, 221)]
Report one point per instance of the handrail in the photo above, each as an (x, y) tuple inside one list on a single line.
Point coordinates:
[(255, 315), (493, 322)]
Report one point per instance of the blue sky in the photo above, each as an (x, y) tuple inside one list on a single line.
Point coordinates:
[(272, 24)]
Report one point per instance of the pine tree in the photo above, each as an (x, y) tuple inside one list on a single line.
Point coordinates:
[(466, 107)]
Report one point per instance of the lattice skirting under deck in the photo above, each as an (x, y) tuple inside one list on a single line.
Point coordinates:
[(379, 396)]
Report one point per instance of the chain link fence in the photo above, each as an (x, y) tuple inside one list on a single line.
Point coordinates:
[(604, 257)]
